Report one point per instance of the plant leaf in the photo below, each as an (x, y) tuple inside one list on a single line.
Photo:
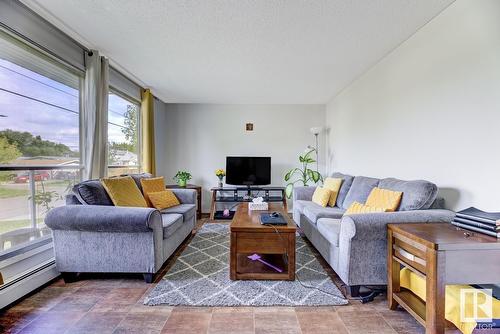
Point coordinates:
[(310, 160), (289, 190), (301, 158), (316, 176), (290, 173)]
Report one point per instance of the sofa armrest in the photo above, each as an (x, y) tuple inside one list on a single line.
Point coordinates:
[(303, 193), (372, 226), (185, 196), (100, 218)]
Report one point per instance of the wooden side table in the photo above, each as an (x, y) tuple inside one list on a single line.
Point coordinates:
[(442, 254), (190, 186)]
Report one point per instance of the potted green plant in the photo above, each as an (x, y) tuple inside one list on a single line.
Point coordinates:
[(182, 177), (304, 174)]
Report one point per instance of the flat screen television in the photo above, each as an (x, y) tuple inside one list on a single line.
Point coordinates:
[(248, 171)]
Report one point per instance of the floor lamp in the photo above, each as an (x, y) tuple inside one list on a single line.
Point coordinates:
[(316, 130)]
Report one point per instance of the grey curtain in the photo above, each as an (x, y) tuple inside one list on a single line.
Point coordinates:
[(95, 116)]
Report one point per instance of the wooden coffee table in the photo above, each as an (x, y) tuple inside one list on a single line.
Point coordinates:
[(275, 244)]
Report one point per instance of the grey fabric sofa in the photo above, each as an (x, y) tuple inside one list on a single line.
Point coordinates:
[(355, 246), (92, 235)]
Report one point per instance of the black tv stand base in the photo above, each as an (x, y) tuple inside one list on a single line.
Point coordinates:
[(245, 194)]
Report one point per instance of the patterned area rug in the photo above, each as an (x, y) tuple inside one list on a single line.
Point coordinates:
[(200, 277)]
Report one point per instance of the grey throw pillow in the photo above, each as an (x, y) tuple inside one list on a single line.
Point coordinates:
[(91, 192)]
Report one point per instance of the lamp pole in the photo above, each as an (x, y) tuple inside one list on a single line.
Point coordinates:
[(316, 131), (317, 155)]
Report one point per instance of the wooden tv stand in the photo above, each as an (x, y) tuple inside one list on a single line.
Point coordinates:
[(245, 194)]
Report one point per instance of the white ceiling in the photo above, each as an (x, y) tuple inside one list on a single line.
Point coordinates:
[(242, 51)]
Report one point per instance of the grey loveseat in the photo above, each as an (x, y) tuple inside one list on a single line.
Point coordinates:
[(355, 246), (92, 235)]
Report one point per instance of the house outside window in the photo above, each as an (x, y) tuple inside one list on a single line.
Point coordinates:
[(123, 135)]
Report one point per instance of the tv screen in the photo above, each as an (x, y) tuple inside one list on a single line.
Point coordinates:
[(248, 171)]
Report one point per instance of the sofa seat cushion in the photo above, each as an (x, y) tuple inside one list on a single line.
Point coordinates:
[(187, 210), (359, 191), (171, 222), (417, 195), (313, 212), (329, 229)]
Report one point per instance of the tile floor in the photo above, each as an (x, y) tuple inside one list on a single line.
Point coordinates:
[(113, 304)]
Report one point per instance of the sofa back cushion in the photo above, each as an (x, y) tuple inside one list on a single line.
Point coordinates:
[(359, 190), (138, 177), (344, 188), (417, 195), (91, 192)]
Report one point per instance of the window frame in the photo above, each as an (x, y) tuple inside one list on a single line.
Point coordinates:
[(132, 100), (36, 257)]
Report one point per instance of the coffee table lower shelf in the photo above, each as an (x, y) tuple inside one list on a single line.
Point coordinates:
[(256, 270)]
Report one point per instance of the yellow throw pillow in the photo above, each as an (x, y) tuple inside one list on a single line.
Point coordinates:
[(321, 196), (357, 208), (123, 191), (383, 198), (152, 185), (334, 185), (163, 199)]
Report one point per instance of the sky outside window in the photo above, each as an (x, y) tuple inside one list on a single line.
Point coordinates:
[(22, 96)]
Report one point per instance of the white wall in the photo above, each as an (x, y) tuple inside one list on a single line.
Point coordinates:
[(430, 109), (198, 137), (160, 121)]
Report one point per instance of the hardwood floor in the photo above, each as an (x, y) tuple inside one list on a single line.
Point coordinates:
[(113, 304)]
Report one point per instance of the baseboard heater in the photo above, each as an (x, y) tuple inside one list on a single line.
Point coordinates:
[(21, 285)]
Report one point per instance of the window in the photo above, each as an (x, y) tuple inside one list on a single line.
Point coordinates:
[(39, 136), (123, 135)]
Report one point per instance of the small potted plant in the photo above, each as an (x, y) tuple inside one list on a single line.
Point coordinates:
[(182, 177), (220, 174)]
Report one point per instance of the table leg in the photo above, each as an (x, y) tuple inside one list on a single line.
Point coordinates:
[(435, 322), (232, 257), (291, 256), (212, 205), (393, 273)]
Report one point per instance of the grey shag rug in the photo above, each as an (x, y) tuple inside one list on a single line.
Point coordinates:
[(200, 277)]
